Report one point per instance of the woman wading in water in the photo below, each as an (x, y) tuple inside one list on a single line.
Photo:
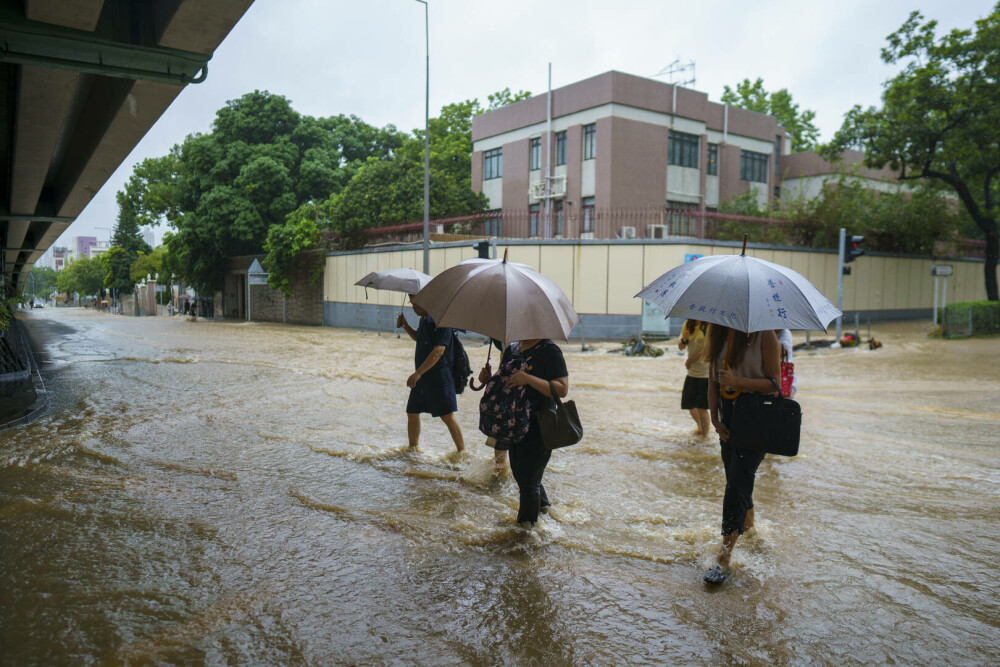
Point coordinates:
[(754, 361)]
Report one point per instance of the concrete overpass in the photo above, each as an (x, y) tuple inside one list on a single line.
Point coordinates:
[(81, 82)]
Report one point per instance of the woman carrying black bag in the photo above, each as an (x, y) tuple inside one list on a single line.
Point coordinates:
[(529, 456), (738, 363)]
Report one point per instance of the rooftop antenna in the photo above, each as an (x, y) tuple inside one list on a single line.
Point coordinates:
[(680, 70)]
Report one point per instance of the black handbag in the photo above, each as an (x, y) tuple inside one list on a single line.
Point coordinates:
[(764, 423), (559, 423)]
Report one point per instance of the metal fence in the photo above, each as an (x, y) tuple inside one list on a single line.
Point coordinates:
[(589, 223), (963, 320)]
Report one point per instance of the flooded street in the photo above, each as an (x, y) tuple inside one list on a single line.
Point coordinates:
[(234, 493)]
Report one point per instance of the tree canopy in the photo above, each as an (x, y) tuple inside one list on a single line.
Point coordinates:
[(939, 118), (41, 281), (798, 124), (85, 276)]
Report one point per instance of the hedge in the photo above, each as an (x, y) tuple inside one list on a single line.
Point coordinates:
[(985, 318)]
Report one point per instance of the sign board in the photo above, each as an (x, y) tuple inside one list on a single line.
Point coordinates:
[(258, 279), (942, 269), (256, 268), (690, 257), (161, 288)]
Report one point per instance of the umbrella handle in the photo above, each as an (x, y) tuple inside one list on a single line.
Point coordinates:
[(729, 355), (472, 380)]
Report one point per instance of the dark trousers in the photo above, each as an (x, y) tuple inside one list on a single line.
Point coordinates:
[(741, 472), (528, 459)]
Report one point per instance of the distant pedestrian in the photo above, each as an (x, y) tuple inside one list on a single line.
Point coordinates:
[(694, 396), (432, 387)]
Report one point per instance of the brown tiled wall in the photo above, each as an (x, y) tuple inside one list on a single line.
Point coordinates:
[(305, 306)]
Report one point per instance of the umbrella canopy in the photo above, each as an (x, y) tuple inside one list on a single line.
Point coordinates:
[(741, 292), (408, 281), (499, 299)]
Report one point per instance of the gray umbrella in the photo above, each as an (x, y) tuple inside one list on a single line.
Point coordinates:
[(499, 299)]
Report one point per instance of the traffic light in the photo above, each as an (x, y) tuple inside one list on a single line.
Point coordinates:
[(852, 248), (483, 248)]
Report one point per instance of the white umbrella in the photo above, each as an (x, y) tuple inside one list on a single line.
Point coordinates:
[(408, 281), (499, 299), (741, 292)]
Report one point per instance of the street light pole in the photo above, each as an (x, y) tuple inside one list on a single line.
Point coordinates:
[(427, 139)]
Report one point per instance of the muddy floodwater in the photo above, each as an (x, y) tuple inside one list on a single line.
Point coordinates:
[(233, 493)]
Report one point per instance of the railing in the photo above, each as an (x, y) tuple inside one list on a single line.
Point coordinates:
[(607, 223), (648, 223)]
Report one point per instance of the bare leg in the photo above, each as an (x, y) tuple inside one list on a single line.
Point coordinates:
[(728, 542), (455, 430), (499, 461), (413, 429), (701, 416), (694, 416)]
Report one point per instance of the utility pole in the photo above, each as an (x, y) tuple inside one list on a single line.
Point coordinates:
[(427, 140)]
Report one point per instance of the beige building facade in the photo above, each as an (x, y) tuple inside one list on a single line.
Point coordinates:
[(618, 140)]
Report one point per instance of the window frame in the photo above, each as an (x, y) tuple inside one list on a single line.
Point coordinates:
[(587, 215), (560, 148), (712, 166), (590, 141), (534, 153), (683, 149), (754, 166), (492, 164), (534, 220)]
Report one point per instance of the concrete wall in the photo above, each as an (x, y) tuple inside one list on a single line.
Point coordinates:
[(305, 306), (601, 278)]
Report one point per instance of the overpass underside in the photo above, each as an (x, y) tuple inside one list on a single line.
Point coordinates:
[(81, 82)]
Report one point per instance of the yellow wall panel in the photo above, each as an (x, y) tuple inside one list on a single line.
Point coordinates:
[(590, 272), (556, 262), (624, 279)]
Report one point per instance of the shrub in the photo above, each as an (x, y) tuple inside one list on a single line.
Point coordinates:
[(983, 316)]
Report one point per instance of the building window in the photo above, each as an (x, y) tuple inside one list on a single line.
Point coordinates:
[(682, 149), (534, 218), (560, 148), (682, 218), (753, 166), (589, 141), (558, 209), (587, 215), (713, 159), (777, 155), (493, 164), (494, 222), (535, 153)]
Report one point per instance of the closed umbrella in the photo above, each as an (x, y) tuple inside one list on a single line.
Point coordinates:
[(499, 299), (741, 292)]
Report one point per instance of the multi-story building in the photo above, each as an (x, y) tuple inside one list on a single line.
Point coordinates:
[(621, 142), (60, 257)]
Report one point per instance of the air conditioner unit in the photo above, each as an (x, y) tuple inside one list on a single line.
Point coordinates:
[(656, 231), (586, 235), (628, 232)]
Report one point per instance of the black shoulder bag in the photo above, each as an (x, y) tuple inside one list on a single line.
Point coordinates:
[(765, 423), (559, 423)]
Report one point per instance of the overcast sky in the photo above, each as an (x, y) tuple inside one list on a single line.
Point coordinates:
[(366, 57)]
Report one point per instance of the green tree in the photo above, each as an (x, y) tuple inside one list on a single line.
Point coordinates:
[(41, 281), (939, 119), (85, 276), (798, 124), (292, 247)]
